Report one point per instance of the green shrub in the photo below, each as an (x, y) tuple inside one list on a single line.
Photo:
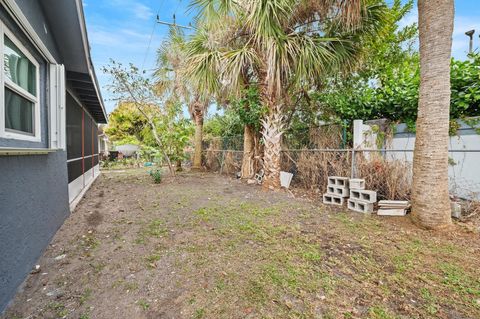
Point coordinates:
[(156, 176)]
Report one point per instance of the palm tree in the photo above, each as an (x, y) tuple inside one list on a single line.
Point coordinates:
[(283, 44), (175, 85), (430, 198)]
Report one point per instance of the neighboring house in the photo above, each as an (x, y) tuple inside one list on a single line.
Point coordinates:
[(50, 107)]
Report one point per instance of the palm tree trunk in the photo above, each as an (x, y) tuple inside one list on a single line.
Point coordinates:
[(272, 136), (430, 197), (248, 161), (197, 158)]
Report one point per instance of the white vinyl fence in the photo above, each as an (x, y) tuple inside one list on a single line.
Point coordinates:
[(464, 153)]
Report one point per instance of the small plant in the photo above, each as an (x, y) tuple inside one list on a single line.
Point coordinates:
[(156, 176), (143, 304)]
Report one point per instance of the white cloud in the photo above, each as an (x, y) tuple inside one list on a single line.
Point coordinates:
[(137, 8), (141, 11)]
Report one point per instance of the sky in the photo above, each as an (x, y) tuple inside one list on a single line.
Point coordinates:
[(126, 31)]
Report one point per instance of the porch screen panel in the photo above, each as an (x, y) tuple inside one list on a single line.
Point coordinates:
[(74, 129), (88, 136), (95, 138), (74, 170), (95, 144)]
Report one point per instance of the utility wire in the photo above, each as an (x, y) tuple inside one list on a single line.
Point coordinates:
[(151, 37)]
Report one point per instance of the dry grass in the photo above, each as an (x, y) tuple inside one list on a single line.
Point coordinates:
[(391, 179)]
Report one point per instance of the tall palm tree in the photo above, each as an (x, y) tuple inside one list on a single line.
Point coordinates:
[(283, 44), (175, 85), (430, 198)]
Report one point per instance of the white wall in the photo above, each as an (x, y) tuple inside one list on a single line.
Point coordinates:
[(464, 172)]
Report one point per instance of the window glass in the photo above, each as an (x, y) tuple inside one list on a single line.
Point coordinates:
[(18, 113), (18, 68)]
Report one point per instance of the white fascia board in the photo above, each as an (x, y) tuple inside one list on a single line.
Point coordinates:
[(20, 18)]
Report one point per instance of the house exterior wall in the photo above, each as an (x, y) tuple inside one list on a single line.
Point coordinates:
[(30, 212)]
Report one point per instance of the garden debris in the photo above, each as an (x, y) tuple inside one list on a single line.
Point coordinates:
[(36, 269)]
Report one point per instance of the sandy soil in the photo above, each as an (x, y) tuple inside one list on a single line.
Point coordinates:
[(207, 246)]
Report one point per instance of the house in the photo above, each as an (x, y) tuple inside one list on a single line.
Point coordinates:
[(50, 107)]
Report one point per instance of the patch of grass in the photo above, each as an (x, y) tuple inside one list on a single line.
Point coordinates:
[(89, 242), (127, 286), (154, 229), (85, 296), (130, 286), (59, 309), (84, 316), (220, 285), (98, 267), (199, 313), (346, 220), (152, 259), (378, 312), (455, 279), (430, 301), (143, 304), (255, 291)]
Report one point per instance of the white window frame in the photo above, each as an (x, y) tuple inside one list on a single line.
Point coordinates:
[(5, 82)]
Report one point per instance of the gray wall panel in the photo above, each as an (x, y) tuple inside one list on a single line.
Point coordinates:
[(33, 205)]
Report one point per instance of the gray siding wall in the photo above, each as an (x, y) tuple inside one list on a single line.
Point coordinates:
[(34, 204), (33, 189)]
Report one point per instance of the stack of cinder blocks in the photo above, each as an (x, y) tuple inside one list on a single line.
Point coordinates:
[(361, 200), (337, 191), (393, 207)]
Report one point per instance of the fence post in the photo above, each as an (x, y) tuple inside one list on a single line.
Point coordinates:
[(352, 173), (358, 140)]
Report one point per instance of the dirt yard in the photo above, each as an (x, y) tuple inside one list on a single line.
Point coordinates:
[(206, 246)]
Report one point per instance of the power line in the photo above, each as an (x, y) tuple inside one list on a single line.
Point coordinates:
[(151, 36)]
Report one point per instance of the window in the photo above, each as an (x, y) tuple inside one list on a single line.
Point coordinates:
[(19, 108)]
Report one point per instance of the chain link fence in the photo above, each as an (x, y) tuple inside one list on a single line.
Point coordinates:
[(324, 151)]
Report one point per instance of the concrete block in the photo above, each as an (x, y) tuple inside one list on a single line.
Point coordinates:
[(360, 206), (357, 183), (363, 195), (392, 212), (400, 204), (456, 210), (338, 190), (330, 199), (338, 181)]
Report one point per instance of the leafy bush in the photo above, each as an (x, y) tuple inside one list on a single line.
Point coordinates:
[(156, 176)]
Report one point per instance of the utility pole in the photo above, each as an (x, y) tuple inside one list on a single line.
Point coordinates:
[(174, 24), (470, 35)]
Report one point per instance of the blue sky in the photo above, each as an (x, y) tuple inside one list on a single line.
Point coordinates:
[(123, 29)]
